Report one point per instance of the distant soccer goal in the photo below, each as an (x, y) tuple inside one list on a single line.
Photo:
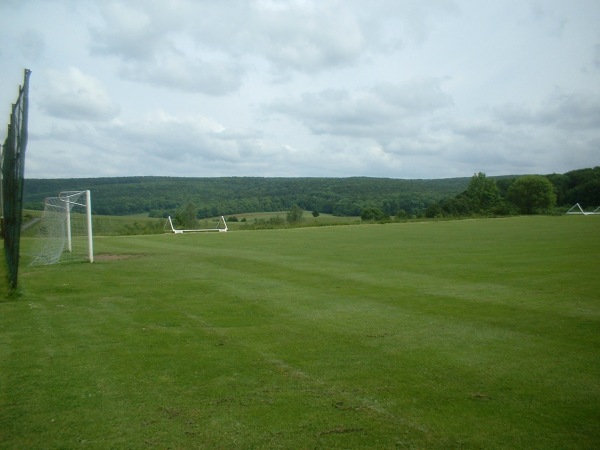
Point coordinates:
[(221, 227), (65, 229), (576, 209)]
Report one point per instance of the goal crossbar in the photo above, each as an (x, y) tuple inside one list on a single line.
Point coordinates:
[(221, 227)]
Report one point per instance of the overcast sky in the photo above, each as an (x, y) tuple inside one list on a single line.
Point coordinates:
[(286, 88)]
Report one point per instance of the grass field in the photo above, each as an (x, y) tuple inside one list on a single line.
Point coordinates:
[(142, 224), (307, 219), (458, 334)]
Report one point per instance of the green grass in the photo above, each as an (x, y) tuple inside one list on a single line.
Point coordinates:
[(459, 334), (261, 220), (4, 282), (142, 224)]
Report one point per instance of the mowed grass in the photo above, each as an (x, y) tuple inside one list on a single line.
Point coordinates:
[(460, 334), (307, 219)]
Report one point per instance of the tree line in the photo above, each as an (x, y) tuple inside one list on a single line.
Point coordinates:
[(162, 196), (528, 194), (371, 198)]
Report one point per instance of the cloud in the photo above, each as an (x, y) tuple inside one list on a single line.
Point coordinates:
[(553, 23), (153, 39), (379, 112), (574, 111), (305, 36), (76, 96), (183, 145), (560, 131), (414, 126), (153, 43), (306, 87), (32, 45), (175, 71), (168, 137), (131, 30)]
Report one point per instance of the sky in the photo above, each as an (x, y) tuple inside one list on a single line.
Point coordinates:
[(304, 88)]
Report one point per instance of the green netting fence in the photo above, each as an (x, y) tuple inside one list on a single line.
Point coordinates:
[(12, 165)]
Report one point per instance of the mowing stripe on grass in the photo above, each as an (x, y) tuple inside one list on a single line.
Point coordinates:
[(436, 335)]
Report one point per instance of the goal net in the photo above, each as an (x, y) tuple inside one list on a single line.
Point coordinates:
[(577, 209), (65, 229)]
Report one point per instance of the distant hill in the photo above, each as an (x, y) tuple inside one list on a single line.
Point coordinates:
[(159, 196)]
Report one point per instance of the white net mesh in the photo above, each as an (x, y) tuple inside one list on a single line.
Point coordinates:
[(63, 230)]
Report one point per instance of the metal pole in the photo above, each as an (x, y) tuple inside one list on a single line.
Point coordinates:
[(88, 202), (68, 223)]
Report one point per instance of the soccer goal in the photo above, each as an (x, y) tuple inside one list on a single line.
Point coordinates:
[(577, 209), (221, 227), (65, 229)]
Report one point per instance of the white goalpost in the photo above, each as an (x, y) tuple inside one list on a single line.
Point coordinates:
[(65, 229), (577, 209), (221, 227)]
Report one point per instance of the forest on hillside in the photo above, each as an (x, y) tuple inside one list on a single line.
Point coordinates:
[(526, 194), (162, 196)]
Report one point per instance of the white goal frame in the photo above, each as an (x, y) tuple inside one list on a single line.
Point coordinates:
[(576, 209), (221, 228), (66, 197), (61, 207)]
